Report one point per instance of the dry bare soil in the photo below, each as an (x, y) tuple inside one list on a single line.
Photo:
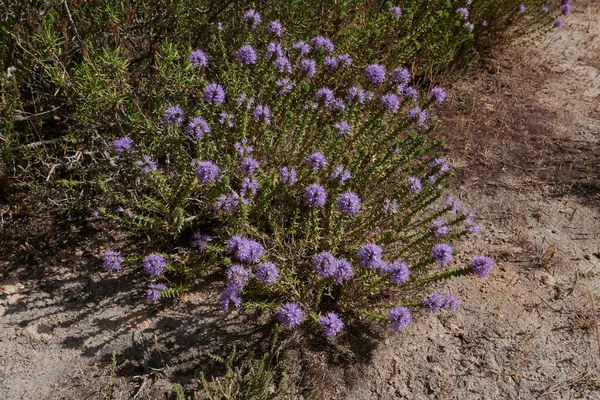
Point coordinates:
[(524, 137)]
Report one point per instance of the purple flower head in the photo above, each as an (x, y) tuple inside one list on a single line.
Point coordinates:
[(254, 16), (484, 22), (325, 264), (391, 102), (214, 93), (356, 93), (288, 176), (267, 273), (369, 256), (227, 203), (400, 74), (326, 94), (436, 302), (245, 250), (290, 315), (438, 94), (321, 42), (442, 252), (153, 291), (286, 84), (390, 206), (397, 11), (439, 228), (344, 60), (348, 203), (342, 128), (338, 104), (173, 115), (545, 9), (463, 12), (303, 47), (422, 118), (237, 276), (309, 67), (398, 271), (411, 92), (399, 317), (198, 59), (230, 295), (206, 171), (316, 195), (375, 73), (246, 55), (123, 145), (414, 113), (154, 264), (275, 28), (415, 185), (274, 48), (343, 271), (316, 160), (242, 147), (330, 63), (249, 185), (112, 260), (147, 164), (200, 241), (225, 117), (263, 113), (558, 23), (342, 174), (469, 26), (249, 165), (283, 65), (331, 324), (521, 8), (481, 266), (197, 127)]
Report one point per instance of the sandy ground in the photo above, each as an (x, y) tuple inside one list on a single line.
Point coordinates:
[(524, 138)]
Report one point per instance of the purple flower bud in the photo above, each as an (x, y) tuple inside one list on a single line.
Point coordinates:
[(206, 171), (197, 127), (123, 145), (442, 253), (267, 273), (246, 55), (399, 317), (173, 115), (481, 266), (198, 59), (375, 73), (349, 204), (463, 12), (275, 28), (331, 324), (214, 93), (147, 164), (154, 264), (112, 260), (397, 11)]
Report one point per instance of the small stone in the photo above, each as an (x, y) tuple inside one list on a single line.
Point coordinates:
[(38, 332), (14, 298), (548, 279), (9, 286)]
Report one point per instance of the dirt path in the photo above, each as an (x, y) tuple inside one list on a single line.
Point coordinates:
[(524, 137), (526, 145)]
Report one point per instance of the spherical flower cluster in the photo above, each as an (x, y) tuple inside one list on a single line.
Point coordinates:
[(481, 266), (237, 277), (267, 273), (275, 28), (154, 264), (342, 174), (246, 55), (326, 94), (309, 67), (197, 127), (436, 302), (249, 165), (391, 102), (153, 291), (283, 65), (342, 128), (200, 241), (369, 256), (290, 315), (321, 42), (398, 272), (263, 113), (249, 185), (112, 260), (566, 8), (356, 93), (198, 59), (400, 75), (438, 94), (521, 8), (324, 264), (399, 317), (303, 47), (375, 73), (174, 115), (442, 253), (206, 171), (254, 16), (286, 84), (147, 164), (228, 203), (397, 11), (288, 176), (439, 229), (316, 196), (409, 91), (123, 145), (330, 63), (245, 250), (558, 23), (463, 12), (214, 93), (316, 160), (415, 185), (349, 204), (331, 324)]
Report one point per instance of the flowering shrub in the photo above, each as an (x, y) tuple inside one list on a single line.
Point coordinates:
[(318, 195)]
